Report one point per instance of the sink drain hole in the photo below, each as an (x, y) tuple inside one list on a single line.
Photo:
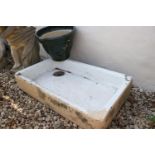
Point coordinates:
[(58, 73)]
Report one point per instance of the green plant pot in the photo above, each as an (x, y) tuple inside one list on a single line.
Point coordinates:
[(57, 47)]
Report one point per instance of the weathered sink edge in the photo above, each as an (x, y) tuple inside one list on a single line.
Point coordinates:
[(80, 118)]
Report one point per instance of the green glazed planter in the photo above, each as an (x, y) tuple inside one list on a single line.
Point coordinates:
[(59, 47)]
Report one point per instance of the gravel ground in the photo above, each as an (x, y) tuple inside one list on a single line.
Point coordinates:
[(138, 112), (18, 110)]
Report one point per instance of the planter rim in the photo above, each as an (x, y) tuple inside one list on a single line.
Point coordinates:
[(46, 29)]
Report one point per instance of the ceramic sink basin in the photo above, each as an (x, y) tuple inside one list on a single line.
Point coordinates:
[(89, 96)]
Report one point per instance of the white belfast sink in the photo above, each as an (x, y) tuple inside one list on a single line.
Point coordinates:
[(89, 96)]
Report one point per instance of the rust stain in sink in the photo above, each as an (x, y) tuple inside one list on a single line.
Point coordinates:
[(58, 73), (62, 70)]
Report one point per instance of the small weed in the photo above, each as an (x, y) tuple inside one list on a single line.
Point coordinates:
[(151, 118)]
